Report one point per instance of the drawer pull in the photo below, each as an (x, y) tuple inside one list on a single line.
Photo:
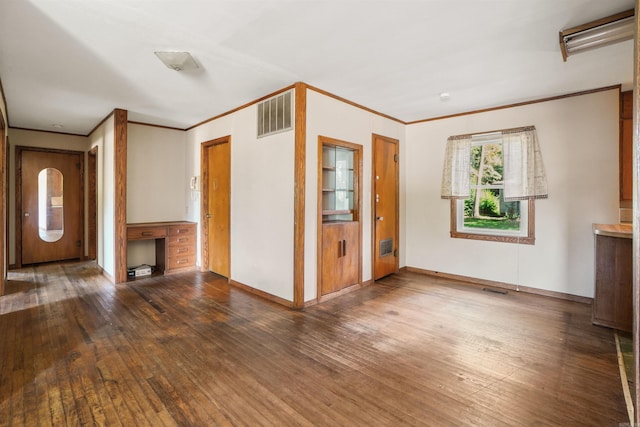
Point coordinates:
[(147, 233), (182, 240), (182, 250), (182, 261), (182, 230)]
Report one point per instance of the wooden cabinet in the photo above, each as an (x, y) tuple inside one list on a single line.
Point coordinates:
[(340, 230), (175, 243), (626, 148), (180, 247), (612, 303), (340, 256)]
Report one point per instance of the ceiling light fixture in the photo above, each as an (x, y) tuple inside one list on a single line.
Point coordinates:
[(595, 34), (177, 61), (444, 96)]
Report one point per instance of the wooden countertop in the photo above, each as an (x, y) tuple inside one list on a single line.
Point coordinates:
[(624, 231), (158, 224)]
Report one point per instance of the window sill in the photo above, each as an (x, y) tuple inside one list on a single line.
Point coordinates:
[(523, 240)]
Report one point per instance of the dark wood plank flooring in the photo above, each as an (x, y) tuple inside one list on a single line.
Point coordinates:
[(190, 350)]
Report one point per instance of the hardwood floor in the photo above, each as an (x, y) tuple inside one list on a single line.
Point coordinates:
[(189, 350)]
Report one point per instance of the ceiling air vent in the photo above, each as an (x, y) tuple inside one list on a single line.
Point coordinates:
[(274, 115)]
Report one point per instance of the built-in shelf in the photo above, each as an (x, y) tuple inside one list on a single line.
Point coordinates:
[(337, 212), (338, 195), (340, 233)]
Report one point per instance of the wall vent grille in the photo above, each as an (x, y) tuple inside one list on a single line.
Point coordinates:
[(386, 247), (275, 115)]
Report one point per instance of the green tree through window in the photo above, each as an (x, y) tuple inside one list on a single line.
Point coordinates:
[(486, 208), (485, 215)]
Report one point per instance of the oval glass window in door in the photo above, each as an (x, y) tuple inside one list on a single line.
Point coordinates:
[(50, 205)]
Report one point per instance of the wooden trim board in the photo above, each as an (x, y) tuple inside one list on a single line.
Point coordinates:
[(636, 220), (120, 202), (262, 294), (500, 285), (299, 182)]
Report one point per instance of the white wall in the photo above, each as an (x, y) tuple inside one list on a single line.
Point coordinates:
[(104, 138), (261, 200), (330, 117), (156, 184), (578, 137), (30, 138), (579, 141)]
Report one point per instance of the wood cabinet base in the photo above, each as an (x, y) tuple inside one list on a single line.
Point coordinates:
[(340, 256), (612, 304)]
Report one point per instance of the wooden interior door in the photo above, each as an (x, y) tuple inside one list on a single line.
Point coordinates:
[(218, 207), (50, 205), (385, 206)]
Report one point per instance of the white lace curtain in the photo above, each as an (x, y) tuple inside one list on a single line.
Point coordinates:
[(524, 175), (457, 163)]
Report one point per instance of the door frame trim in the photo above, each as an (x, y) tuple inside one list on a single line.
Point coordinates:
[(204, 201), (18, 177), (92, 203), (396, 237), (4, 206)]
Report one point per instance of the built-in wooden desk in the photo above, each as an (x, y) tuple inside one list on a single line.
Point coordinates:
[(175, 243)]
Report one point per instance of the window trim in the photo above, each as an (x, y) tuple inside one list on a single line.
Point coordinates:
[(529, 239)]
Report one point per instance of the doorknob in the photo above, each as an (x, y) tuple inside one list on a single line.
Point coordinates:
[(380, 218), (26, 214), (208, 216)]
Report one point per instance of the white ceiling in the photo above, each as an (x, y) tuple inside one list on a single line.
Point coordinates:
[(71, 62)]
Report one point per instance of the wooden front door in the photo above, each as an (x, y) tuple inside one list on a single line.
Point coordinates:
[(385, 206), (50, 205), (217, 208)]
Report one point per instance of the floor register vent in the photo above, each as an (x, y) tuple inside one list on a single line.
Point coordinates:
[(275, 115)]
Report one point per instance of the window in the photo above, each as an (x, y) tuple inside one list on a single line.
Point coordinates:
[(492, 180), (485, 214)]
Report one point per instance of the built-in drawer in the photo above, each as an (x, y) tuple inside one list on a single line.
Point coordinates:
[(180, 251), (139, 233), (186, 240), (181, 261), (182, 230)]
